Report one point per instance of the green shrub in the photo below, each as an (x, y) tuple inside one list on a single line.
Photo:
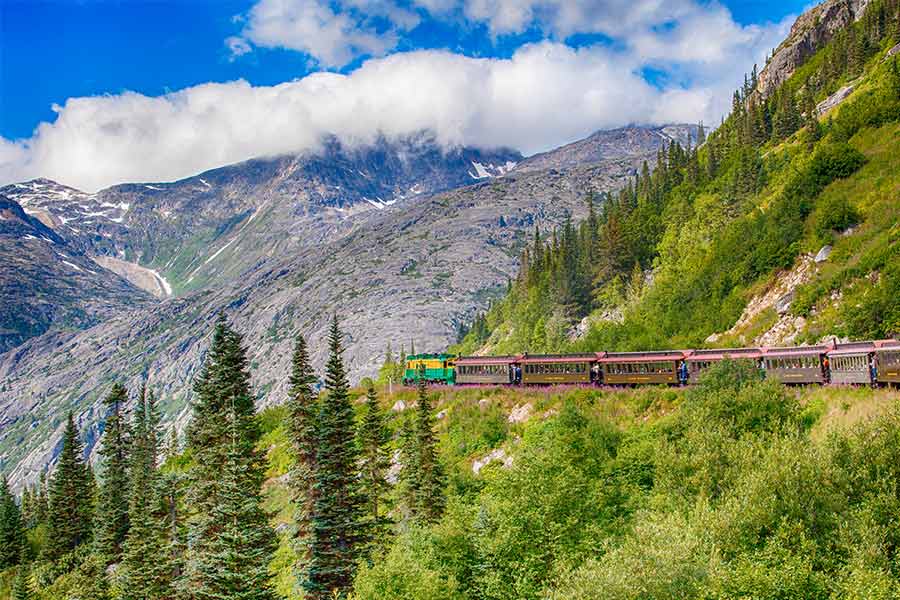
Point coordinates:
[(833, 214)]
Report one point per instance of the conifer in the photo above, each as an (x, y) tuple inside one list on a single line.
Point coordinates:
[(12, 535), (336, 535), (303, 407), (112, 508), (22, 589), (146, 569), (373, 465), (70, 508), (429, 491), (228, 533)]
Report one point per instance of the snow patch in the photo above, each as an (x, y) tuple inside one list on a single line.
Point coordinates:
[(163, 282)]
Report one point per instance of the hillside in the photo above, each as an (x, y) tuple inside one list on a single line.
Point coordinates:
[(725, 490), (781, 228)]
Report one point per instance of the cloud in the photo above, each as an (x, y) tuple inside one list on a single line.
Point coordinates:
[(544, 95), (332, 38)]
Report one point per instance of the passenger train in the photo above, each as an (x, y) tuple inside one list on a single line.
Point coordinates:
[(855, 363)]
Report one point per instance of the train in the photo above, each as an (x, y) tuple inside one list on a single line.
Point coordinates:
[(873, 363)]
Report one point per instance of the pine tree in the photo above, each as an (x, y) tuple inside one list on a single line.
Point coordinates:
[(112, 509), (228, 533), (12, 535), (336, 536), (303, 407), (374, 463), (408, 483), (146, 569), (429, 491), (22, 589), (70, 509)]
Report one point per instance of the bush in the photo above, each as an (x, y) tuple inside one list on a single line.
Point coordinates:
[(411, 570), (665, 558), (833, 214)]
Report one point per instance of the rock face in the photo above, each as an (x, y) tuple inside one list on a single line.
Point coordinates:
[(833, 100), (810, 31), (46, 282), (617, 144), (277, 245)]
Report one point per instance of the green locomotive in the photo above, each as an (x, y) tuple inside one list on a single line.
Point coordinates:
[(439, 368)]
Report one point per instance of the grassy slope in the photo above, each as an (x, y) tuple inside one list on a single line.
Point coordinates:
[(476, 421)]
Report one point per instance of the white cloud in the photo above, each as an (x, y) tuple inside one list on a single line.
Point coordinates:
[(313, 27), (545, 95)]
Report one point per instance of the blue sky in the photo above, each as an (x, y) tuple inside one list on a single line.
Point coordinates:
[(54, 52)]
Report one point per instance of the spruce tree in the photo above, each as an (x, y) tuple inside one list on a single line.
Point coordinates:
[(429, 491), (22, 584), (228, 533), (303, 407), (70, 509), (336, 536), (12, 535), (374, 463), (146, 565), (112, 508)]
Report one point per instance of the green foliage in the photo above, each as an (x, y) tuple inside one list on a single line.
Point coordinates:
[(372, 439), (228, 532), (413, 569), (70, 511), (112, 508), (834, 214), (12, 534), (303, 408), (337, 530), (424, 472), (149, 553)]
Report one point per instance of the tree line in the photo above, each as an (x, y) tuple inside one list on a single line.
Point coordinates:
[(166, 523)]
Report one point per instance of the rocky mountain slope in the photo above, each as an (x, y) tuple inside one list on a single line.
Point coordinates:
[(47, 282), (812, 30), (204, 229), (277, 245)]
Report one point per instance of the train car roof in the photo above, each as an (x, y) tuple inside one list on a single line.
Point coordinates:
[(430, 356), (662, 355), (486, 360), (560, 358), (796, 351), (722, 353), (852, 348), (887, 345)]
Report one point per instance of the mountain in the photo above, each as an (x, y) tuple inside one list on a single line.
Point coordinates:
[(46, 282), (277, 245)]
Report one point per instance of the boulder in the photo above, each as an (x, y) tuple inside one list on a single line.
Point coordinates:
[(520, 413), (497, 454), (823, 254)]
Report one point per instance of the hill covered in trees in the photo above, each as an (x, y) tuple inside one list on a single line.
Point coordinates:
[(674, 259)]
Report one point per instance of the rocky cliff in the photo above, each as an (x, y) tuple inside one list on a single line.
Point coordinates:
[(812, 30)]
